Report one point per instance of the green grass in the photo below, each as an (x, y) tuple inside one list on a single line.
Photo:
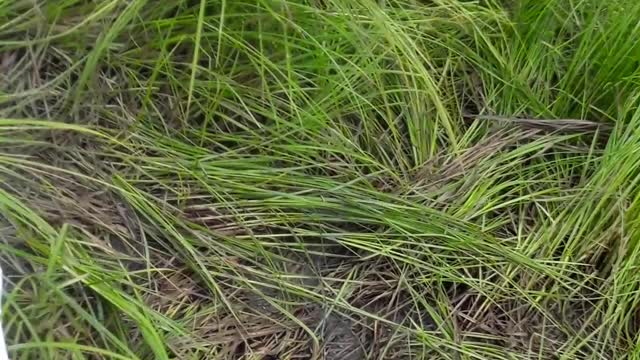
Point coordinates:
[(320, 179)]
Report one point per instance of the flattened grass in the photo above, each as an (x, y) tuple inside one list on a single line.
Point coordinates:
[(319, 179)]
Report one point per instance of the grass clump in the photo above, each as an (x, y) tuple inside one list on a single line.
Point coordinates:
[(276, 179)]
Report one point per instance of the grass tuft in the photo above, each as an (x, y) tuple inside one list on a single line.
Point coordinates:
[(320, 179)]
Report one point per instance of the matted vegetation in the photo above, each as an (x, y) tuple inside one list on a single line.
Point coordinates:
[(320, 179)]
